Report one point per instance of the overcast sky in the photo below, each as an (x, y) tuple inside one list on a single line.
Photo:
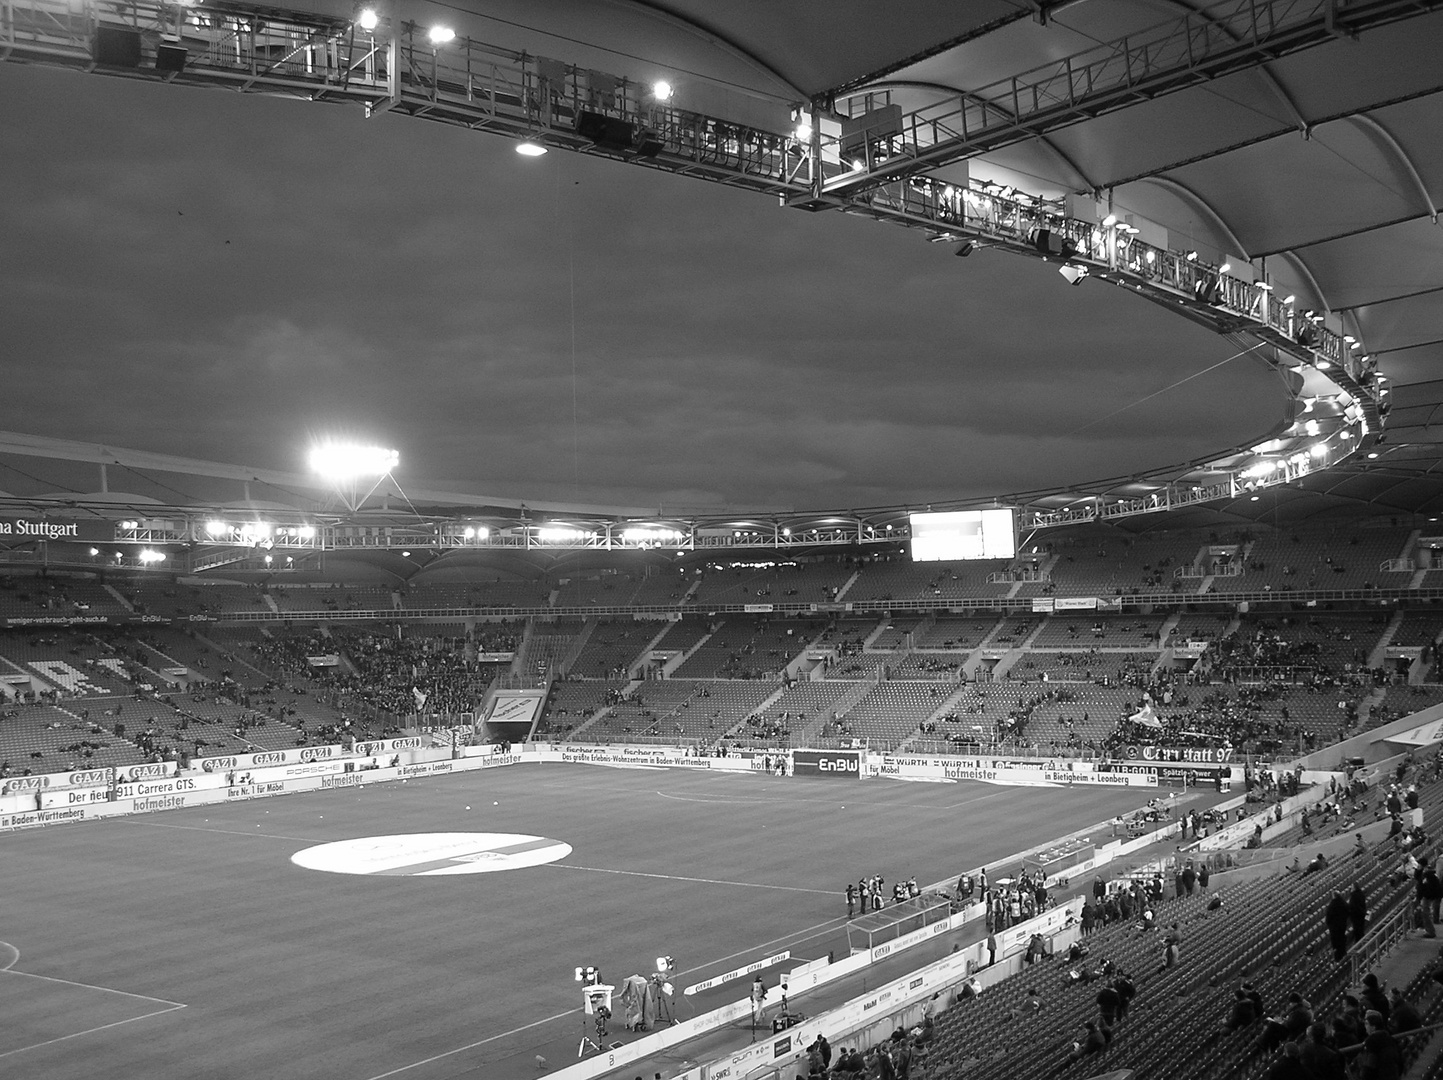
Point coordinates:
[(198, 273)]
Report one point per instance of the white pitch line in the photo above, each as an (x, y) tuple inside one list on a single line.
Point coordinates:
[(89, 1031), (92, 986), (472, 1046), (14, 955), (697, 880), (224, 832), (795, 938)]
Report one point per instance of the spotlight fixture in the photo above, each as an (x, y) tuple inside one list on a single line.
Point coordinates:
[(1073, 272), (368, 20), (440, 35), (662, 90), (530, 149)]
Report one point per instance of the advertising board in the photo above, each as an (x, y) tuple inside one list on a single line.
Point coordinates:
[(829, 764)]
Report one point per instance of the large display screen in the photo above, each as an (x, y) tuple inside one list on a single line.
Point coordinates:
[(963, 534)]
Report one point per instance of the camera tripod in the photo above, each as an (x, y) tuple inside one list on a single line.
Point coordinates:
[(602, 1014)]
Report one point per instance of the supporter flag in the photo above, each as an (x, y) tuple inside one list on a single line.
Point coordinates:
[(420, 698), (1146, 717)]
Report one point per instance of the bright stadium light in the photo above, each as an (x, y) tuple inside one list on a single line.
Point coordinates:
[(662, 90), (530, 149), (215, 528), (440, 35), (369, 19), (306, 532), (149, 557), (351, 461)]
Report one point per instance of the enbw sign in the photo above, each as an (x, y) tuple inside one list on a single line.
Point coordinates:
[(838, 764)]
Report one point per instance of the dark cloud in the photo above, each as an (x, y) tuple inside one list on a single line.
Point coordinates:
[(223, 277)]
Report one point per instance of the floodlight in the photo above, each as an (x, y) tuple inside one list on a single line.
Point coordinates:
[(94, 552), (350, 461), (368, 20), (530, 149), (268, 560), (1289, 299), (803, 133), (1191, 256), (1224, 268), (215, 528), (469, 533), (147, 556), (662, 90), (439, 35), (307, 532), (130, 524), (1109, 221)]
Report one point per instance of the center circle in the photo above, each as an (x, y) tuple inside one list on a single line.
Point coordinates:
[(431, 854)]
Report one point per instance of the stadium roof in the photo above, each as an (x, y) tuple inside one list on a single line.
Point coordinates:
[(1318, 161), (1295, 142)]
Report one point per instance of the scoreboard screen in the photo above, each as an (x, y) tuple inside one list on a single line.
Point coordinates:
[(963, 534)]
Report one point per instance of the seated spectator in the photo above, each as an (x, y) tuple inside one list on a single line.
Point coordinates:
[(1094, 1041), (1243, 1014)]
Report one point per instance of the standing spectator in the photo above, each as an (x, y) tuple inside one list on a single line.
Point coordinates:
[(1126, 991), (1202, 876), (1358, 911), (1430, 890), (1108, 1003), (1321, 1060), (1289, 1066), (1380, 1058), (1336, 917), (1373, 998), (1401, 1015), (1189, 878)]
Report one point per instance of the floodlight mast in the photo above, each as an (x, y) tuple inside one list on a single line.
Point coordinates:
[(349, 465)]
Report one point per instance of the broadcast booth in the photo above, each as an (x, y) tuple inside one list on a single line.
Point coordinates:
[(896, 920)]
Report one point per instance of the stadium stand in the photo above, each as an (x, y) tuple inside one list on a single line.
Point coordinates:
[(902, 579)]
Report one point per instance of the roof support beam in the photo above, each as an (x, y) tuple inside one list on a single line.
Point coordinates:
[(1363, 120), (1107, 78), (1198, 203)]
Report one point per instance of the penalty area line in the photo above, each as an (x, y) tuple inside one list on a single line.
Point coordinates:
[(696, 880), (91, 1031), (472, 1046)]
